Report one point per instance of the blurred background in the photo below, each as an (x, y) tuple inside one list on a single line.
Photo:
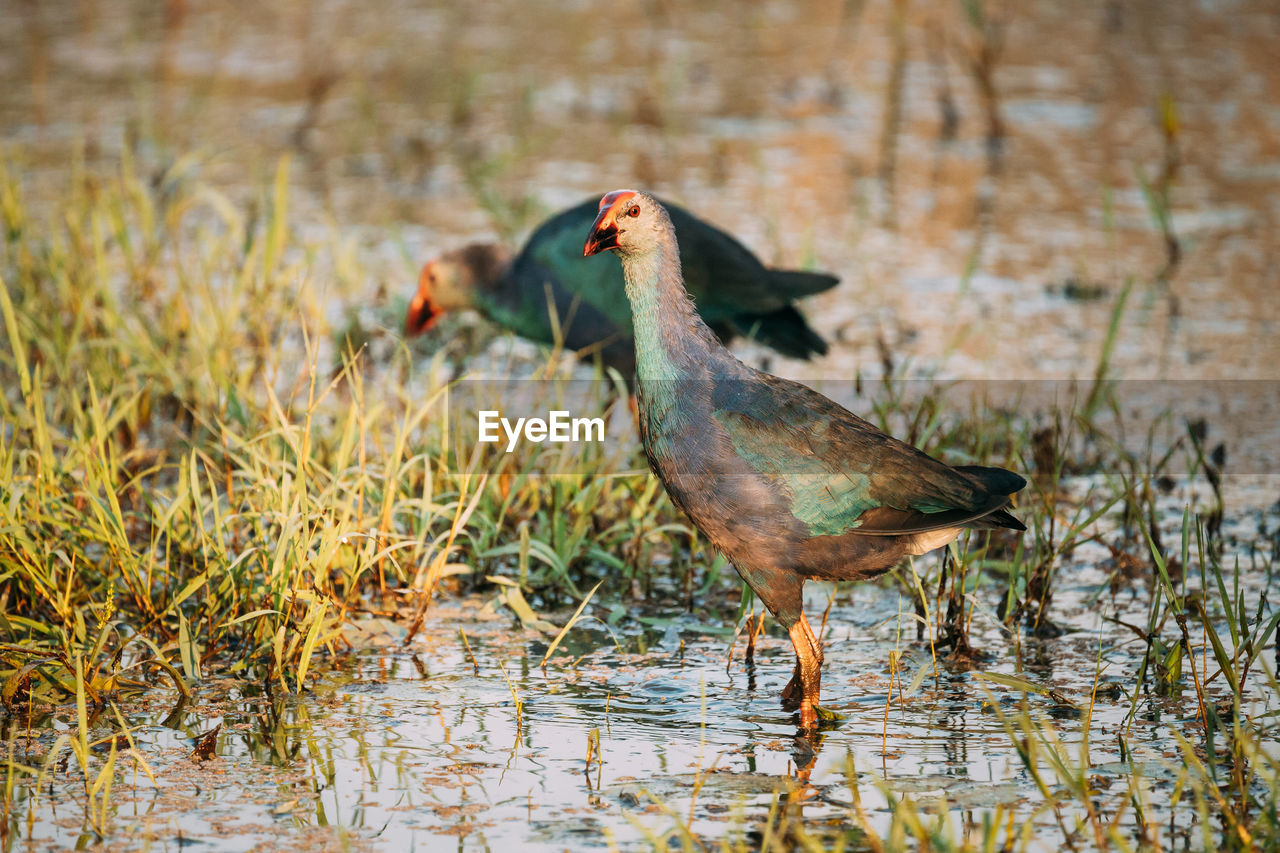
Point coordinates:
[(985, 177)]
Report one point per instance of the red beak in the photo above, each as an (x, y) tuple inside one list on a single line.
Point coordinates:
[(422, 315), (604, 235), (604, 231)]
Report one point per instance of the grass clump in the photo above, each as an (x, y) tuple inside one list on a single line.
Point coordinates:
[(179, 479)]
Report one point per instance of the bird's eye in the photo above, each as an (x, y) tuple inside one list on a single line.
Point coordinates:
[(634, 210)]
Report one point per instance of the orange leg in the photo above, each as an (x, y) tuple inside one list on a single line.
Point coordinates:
[(807, 679)]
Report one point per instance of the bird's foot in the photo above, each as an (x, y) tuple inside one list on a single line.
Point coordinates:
[(828, 717), (815, 718)]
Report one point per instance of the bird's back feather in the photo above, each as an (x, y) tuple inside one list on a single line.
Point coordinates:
[(733, 291)]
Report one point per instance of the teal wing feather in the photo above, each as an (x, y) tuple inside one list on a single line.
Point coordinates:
[(727, 282), (597, 281), (715, 280), (828, 499), (841, 474)]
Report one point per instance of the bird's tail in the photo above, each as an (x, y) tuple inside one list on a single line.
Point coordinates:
[(997, 481), (1000, 518), (784, 330), (797, 283)]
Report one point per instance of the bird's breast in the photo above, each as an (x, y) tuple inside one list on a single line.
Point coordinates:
[(736, 508)]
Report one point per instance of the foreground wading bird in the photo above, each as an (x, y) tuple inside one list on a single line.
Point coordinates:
[(735, 293), (787, 484)]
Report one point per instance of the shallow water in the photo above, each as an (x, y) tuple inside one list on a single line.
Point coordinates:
[(402, 748)]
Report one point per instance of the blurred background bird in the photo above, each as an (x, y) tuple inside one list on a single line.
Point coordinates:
[(548, 293)]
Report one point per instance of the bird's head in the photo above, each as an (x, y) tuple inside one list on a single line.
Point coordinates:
[(449, 283), (629, 222)]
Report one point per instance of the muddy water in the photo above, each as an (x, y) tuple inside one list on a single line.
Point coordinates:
[(423, 746), (652, 726)]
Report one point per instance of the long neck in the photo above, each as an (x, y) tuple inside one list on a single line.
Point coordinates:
[(491, 267), (672, 342)]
